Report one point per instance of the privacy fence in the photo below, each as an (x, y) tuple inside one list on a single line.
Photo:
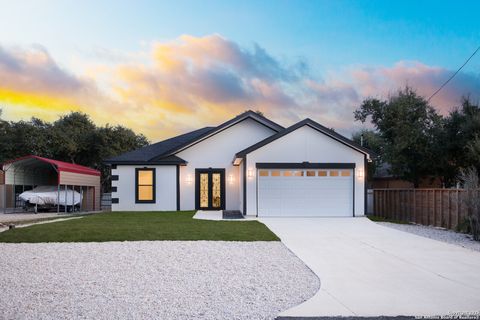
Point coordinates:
[(437, 207)]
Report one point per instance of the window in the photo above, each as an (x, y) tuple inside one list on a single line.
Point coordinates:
[(298, 173), (263, 173), (275, 173), (345, 173), (287, 173), (333, 173), (145, 185), (322, 173), (310, 173)]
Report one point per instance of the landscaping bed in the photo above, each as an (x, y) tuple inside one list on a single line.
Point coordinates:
[(435, 233)]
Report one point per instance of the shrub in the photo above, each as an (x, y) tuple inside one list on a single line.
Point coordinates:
[(471, 184)]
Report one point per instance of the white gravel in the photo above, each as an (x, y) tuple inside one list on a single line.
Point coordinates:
[(440, 234), (151, 280)]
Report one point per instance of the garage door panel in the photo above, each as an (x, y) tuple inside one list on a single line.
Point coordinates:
[(306, 195)]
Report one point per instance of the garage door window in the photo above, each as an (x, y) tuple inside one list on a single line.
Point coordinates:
[(322, 173), (275, 173), (310, 173), (333, 173), (345, 173), (287, 173), (263, 173), (298, 173)]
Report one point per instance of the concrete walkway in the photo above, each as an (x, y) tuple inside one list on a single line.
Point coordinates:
[(28, 217), (369, 270)]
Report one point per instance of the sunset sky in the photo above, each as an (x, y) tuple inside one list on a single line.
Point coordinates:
[(166, 67)]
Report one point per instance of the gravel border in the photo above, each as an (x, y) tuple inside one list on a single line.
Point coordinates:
[(435, 233), (151, 280)]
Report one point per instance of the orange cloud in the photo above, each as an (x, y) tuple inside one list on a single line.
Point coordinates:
[(196, 81)]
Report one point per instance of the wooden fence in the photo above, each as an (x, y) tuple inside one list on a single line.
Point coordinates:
[(436, 207)]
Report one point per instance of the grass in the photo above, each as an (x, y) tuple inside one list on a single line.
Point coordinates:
[(383, 219), (137, 226)]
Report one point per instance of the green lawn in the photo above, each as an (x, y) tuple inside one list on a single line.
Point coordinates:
[(135, 226)]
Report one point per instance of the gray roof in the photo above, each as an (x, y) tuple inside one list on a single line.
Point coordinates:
[(159, 150), (163, 152)]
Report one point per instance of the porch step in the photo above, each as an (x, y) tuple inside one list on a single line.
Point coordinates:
[(232, 214)]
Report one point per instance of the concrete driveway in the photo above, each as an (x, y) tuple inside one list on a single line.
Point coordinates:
[(369, 270)]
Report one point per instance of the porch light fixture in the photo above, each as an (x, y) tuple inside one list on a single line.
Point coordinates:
[(360, 173), (230, 178), (250, 173), (189, 179)]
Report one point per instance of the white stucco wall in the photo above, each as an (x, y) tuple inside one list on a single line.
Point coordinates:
[(305, 144), (166, 195), (218, 151)]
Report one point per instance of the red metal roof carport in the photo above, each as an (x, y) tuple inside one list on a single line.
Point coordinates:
[(39, 171)]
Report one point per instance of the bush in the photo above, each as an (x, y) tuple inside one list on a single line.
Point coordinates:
[(471, 184)]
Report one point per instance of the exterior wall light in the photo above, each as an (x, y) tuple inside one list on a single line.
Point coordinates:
[(250, 173), (189, 179), (360, 173), (230, 179)]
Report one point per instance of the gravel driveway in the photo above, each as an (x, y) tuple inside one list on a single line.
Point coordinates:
[(151, 280), (444, 235)]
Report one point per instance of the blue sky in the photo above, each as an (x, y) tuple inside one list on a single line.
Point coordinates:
[(335, 40)]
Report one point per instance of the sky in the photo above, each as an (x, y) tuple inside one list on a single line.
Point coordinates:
[(167, 67)]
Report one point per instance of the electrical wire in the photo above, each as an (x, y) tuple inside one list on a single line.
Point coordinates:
[(453, 75)]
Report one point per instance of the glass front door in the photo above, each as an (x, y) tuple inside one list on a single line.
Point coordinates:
[(210, 189)]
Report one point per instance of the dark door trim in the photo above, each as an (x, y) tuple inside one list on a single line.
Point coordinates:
[(210, 171)]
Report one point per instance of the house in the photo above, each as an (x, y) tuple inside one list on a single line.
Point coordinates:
[(250, 164)]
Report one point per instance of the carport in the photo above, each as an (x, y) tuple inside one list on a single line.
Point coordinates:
[(29, 172)]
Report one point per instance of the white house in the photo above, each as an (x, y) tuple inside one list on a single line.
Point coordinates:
[(249, 164)]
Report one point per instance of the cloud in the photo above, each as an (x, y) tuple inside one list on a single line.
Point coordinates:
[(424, 78), (171, 87)]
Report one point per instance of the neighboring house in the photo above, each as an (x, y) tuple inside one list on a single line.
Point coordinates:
[(249, 164), (2, 177), (384, 179)]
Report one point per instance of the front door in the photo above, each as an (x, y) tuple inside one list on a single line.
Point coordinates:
[(210, 189)]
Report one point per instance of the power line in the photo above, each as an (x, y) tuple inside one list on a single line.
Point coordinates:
[(453, 75)]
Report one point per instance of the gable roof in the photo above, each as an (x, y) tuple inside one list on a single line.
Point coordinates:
[(313, 124), (163, 152)]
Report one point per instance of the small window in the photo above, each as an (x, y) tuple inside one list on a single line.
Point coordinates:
[(287, 173), (345, 173), (263, 173), (145, 185), (275, 173), (298, 173), (322, 173), (310, 173), (333, 173)]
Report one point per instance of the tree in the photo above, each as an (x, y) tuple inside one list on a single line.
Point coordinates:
[(409, 128), (471, 200), (71, 135), (461, 138), (72, 138)]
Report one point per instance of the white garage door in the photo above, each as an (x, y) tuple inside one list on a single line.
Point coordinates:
[(305, 193)]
